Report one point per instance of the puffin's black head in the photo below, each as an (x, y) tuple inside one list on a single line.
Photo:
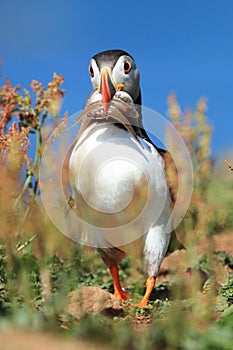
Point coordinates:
[(112, 71)]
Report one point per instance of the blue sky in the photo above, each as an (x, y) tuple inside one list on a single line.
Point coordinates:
[(180, 46)]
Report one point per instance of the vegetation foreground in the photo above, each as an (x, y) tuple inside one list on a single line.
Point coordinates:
[(192, 304)]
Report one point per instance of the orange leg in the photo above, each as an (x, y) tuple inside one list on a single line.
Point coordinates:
[(150, 283), (118, 292)]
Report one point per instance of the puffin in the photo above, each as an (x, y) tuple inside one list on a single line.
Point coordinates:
[(116, 171)]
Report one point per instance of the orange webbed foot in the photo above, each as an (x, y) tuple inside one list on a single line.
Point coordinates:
[(121, 295), (118, 291), (142, 303), (150, 283)]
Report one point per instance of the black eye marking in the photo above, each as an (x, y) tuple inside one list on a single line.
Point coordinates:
[(127, 67), (91, 71)]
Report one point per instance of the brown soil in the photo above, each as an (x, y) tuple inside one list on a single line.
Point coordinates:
[(93, 300), (23, 340), (178, 260), (220, 242), (178, 263)]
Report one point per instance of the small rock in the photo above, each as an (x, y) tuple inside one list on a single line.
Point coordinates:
[(93, 300)]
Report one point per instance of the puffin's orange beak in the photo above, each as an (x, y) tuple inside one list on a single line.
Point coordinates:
[(107, 87)]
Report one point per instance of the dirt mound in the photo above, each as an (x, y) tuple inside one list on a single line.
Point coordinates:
[(93, 300)]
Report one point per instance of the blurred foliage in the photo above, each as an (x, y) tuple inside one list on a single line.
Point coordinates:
[(196, 132), (39, 266), (211, 207), (22, 122)]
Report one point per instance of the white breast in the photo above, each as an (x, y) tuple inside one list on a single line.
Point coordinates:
[(118, 182)]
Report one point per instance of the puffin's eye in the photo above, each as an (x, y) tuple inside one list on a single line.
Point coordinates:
[(91, 71), (127, 67)]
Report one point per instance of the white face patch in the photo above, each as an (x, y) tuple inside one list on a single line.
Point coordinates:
[(126, 72), (94, 74)]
